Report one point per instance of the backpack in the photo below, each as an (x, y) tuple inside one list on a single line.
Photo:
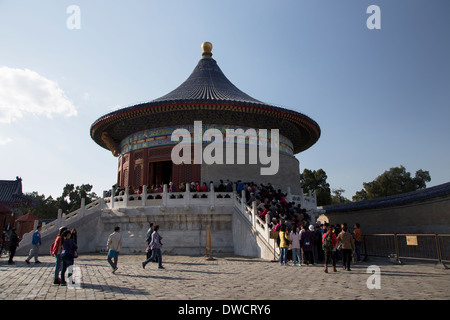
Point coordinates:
[(307, 238), (55, 246), (327, 244)]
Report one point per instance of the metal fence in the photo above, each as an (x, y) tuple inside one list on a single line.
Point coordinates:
[(425, 247)]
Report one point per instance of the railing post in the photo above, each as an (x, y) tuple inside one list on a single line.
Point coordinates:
[(113, 194), (243, 202), (302, 198), (397, 249), (102, 203), (254, 214), (144, 195), (315, 199), (289, 195), (59, 224), (125, 200), (165, 195), (187, 195), (83, 207), (440, 264), (212, 195)]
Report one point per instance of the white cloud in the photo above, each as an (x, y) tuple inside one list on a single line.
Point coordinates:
[(4, 141), (25, 92)]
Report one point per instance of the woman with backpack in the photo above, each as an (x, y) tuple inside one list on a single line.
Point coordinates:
[(55, 250), (329, 242), (68, 254)]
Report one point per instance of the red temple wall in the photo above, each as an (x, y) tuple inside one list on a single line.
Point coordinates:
[(154, 166)]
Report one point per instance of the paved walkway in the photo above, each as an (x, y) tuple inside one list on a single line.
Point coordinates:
[(225, 278)]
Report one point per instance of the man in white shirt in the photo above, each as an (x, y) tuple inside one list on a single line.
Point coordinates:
[(113, 247)]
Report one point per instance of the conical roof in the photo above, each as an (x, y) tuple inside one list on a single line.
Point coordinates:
[(207, 82), (209, 96)]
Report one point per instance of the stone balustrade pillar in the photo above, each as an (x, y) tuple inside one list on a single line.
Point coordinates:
[(165, 195), (144, 195), (125, 200)]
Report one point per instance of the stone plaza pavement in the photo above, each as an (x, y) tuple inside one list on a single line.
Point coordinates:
[(224, 278)]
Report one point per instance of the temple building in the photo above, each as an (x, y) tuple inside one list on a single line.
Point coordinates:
[(141, 135), (206, 130)]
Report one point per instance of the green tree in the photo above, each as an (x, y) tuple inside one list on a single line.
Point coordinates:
[(360, 195), (316, 181), (70, 199), (394, 181), (337, 197), (46, 208)]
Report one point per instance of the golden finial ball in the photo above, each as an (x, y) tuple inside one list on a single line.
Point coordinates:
[(207, 47)]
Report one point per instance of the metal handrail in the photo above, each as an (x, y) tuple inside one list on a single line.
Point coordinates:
[(425, 247)]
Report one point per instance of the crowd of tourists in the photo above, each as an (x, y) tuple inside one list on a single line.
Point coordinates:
[(320, 243), (300, 241)]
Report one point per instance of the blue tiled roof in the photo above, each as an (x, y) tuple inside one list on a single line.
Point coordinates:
[(207, 82), (400, 199), (206, 95), (11, 192)]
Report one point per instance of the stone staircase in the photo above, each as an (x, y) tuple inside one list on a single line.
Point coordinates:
[(183, 218)]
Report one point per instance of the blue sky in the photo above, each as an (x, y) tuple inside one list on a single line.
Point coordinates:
[(381, 97)]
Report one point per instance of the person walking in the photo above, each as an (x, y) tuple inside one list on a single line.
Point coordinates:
[(284, 245), (36, 243), (329, 242), (148, 238), (13, 244), (55, 250), (68, 253), (306, 244), (113, 246), (155, 245), (348, 246), (294, 237), (318, 251)]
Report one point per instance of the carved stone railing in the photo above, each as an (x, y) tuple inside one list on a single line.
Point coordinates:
[(169, 199), (65, 219), (261, 227), (166, 200)]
